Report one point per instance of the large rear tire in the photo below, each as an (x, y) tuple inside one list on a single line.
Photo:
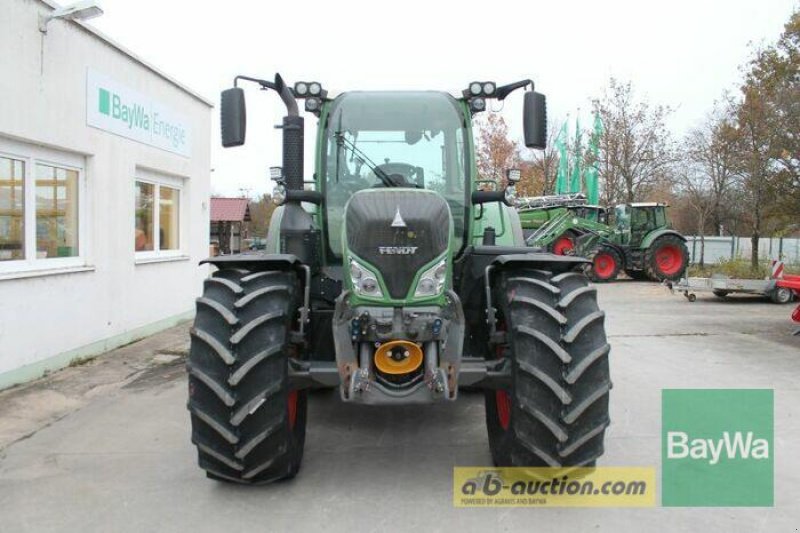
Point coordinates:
[(556, 410), (666, 258), (247, 425)]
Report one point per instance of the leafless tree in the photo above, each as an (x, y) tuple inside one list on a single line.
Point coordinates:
[(712, 150), (636, 150)]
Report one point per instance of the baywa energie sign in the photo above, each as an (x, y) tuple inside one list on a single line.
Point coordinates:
[(112, 107)]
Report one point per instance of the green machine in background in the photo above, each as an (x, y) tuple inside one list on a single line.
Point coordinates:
[(635, 238)]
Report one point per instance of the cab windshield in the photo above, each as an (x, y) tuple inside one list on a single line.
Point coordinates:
[(393, 139)]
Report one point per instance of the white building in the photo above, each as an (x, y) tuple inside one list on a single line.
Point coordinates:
[(104, 185)]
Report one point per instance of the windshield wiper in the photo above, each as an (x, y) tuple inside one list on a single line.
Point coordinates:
[(341, 141)]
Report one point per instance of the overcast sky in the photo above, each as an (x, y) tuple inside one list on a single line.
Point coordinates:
[(679, 53)]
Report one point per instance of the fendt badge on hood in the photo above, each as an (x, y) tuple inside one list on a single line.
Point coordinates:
[(397, 250), (398, 222)]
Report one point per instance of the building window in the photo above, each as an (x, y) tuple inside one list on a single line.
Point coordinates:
[(12, 205), (145, 209), (40, 208), (56, 212), (157, 230), (168, 208)]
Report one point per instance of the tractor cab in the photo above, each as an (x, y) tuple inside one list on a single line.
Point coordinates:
[(634, 221), (595, 213)]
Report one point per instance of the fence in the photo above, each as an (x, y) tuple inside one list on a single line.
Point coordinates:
[(717, 248)]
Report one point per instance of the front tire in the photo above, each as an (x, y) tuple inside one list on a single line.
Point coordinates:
[(606, 264), (564, 244), (556, 410), (247, 424)]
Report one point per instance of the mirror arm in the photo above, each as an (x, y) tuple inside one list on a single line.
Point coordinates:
[(279, 87), (504, 90), (264, 83)]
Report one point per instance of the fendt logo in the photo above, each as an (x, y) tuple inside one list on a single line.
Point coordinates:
[(717, 447), (397, 250)]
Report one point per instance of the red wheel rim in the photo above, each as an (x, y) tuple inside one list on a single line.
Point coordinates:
[(563, 245), (604, 265), (669, 259), (291, 406), (503, 401)]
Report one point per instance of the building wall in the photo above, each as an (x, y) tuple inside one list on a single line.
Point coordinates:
[(113, 297)]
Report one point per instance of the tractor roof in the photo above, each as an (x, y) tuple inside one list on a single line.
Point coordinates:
[(409, 110), (647, 204)]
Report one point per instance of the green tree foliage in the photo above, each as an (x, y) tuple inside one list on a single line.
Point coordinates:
[(768, 132)]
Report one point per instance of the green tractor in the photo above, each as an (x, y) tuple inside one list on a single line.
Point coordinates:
[(635, 237), (396, 276)]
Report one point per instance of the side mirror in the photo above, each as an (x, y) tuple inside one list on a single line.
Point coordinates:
[(233, 117), (535, 120)]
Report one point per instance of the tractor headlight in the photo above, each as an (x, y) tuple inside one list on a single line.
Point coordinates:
[(301, 88), (313, 104), (476, 105), (365, 282), (431, 282)]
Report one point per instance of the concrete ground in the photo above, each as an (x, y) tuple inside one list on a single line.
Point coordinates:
[(105, 446)]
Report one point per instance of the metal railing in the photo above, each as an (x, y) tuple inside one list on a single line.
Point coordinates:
[(716, 248)]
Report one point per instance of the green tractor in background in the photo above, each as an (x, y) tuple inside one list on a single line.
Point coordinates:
[(635, 238), (396, 276)]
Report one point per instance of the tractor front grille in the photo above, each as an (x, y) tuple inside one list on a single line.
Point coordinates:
[(398, 231)]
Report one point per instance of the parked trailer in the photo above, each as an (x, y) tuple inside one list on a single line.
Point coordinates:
[(779, 291)]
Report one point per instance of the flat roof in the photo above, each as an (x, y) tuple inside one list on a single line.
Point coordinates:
[(108, 40)]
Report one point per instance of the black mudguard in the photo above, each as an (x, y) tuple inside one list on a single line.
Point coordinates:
[(255, 261), (481, 262)]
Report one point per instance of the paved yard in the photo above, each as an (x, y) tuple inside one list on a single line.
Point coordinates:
[(105, 447)]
